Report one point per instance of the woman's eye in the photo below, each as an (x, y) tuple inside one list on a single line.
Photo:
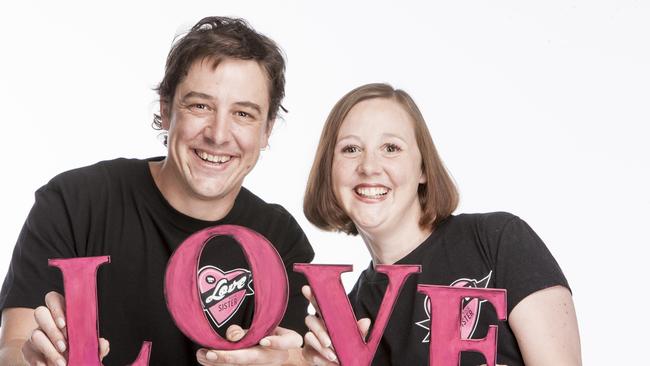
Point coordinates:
[(392, 148), (350, 149)]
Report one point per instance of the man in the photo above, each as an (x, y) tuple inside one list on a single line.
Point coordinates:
[(219, 97)]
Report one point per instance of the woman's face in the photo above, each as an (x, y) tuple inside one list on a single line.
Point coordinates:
[(377, 166)]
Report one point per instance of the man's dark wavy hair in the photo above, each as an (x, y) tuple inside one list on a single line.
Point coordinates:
[(218, 38)]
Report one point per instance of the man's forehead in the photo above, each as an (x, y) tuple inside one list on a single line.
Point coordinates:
[(227, 78)]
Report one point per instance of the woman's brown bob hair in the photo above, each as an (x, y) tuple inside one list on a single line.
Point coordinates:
[(438, 196)]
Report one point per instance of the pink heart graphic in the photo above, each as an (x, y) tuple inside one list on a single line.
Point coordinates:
[(222, 293), (469, 314)]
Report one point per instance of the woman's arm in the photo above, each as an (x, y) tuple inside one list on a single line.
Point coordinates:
[(546, 328)]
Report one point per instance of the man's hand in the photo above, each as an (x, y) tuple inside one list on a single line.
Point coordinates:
[(47, 344), (272, 350)]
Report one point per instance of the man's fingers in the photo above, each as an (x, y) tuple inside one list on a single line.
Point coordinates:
[(317, 327), (312, 342), (56, 303), (42, 344), (235, 333), (45, 322), (364, 324), (247, 356), (282, 339), (104, 348)]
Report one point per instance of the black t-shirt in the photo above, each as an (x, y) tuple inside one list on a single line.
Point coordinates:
[(114, 208), (495, 250)]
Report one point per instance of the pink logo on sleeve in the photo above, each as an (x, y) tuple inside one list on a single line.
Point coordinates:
[(222, 293)]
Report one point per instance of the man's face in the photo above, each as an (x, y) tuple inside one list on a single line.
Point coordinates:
[(217, 124)]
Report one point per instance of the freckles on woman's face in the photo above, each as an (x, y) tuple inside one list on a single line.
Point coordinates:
[(376, 168)]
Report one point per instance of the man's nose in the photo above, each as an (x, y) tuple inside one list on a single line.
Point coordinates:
[(218, 129)]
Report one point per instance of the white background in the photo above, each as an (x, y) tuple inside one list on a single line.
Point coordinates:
[(537, 109)]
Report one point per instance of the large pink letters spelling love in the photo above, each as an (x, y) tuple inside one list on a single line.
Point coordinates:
[(183, 301), (79, 281), (446, 344), (336, 311)]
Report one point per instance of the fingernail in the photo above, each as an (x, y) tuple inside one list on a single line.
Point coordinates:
[(61, 345), (60, 362), (201, 353), (326, 339), (265, 342), (60, 323), (331, 355), (211, 356)]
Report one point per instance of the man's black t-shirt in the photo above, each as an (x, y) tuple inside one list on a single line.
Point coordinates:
[(114, 208), (496, 250)]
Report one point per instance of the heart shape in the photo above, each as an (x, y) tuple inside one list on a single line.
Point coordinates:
[(222, 293)]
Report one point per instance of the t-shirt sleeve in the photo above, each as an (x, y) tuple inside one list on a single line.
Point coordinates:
[(46, 234), (524, 264), (296, 249)]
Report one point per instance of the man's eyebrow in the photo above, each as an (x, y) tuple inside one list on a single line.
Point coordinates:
[(252, 105), (195, 94)]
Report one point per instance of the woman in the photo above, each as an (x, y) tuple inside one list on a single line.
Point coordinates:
[(377, 174)]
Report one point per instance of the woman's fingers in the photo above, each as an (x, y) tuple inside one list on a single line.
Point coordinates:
[(317, 327), (312, 342)]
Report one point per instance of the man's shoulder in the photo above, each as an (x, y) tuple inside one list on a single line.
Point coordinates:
[(274, 222), (256, 203), (99, 175), (103, 169)]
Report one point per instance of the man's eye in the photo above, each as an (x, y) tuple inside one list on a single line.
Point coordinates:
[(392, 148), (242, 114), (350, 149), (199, 106)]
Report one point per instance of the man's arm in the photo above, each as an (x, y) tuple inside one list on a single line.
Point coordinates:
[(17, 326)]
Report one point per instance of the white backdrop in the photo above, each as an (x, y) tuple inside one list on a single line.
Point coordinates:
[(537, 109)]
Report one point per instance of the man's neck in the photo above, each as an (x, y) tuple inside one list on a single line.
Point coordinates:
[(188, 203)]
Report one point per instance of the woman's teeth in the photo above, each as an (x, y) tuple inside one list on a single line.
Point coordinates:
[(371, 192)]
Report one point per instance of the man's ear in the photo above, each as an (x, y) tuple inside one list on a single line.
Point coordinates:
[(164, 115), (267, 132)]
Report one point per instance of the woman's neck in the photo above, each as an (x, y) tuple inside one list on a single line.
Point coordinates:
[(389, 246)]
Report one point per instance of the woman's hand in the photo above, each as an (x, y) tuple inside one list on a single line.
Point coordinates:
[(318, 348)]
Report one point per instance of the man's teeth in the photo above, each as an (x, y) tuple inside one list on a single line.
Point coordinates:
[(372, 192), (214, 158)]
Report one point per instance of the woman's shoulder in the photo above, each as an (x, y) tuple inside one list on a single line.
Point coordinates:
[(488, 222)]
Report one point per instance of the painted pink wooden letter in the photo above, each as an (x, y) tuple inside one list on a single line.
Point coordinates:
[(336, 311), (446, 344), (269, 279), (80, 285)]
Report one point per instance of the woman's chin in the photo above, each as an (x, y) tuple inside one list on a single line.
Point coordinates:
[(369, 225)]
